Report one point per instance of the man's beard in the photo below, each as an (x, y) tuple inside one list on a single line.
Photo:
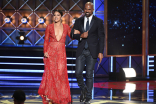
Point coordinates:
[(87, 15)]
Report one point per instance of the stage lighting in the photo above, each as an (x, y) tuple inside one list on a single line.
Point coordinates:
[(129, 72), (130, 87), (21, 38), (24, 20), (115, 22), (7, 19), (41, 20)]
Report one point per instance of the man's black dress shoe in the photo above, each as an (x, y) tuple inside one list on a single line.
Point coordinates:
[(87, 101), (83, 95)]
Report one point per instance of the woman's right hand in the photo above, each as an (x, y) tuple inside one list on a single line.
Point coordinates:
[(46, 55)]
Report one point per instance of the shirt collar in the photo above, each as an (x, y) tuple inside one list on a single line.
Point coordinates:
[(89, 17)]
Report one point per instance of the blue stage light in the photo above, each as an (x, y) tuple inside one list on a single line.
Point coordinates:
[(41, 20), (6, 84), (24, 20), (7, 20), (115, 22), (30, 71), (9, 63), (25, 57), (18, 78)]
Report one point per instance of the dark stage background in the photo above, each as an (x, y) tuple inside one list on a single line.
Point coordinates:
[(152, 26), (124, 27)]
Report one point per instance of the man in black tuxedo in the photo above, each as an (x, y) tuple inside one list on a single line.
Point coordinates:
[(89, 31)]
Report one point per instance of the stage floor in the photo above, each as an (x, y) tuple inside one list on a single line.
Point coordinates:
[(76, 101), (105, 91)]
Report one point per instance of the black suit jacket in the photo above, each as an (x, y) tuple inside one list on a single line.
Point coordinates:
[(95, 37)]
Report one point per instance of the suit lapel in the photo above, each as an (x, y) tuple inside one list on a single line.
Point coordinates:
[(82, 24), (92, 22)]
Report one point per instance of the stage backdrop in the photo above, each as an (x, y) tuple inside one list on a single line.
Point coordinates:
[(33, 10), (124, 21), (152, 26)]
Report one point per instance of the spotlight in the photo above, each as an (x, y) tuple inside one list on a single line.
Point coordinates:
[(41, 20), (129, 72), (21, 38), (130, 87), (124, 74), (7, 19), (24, 20)]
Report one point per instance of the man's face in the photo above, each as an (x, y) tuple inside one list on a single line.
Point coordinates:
[(88, 10)]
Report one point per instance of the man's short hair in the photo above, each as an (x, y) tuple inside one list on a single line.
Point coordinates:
[(19, 95), (90, 3)]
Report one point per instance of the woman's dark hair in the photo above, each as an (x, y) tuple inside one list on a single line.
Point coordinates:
[(59, 12)]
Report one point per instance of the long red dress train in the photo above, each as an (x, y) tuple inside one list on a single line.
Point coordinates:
[(55, 84)]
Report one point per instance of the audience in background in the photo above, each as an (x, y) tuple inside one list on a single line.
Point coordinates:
[(19, 97)]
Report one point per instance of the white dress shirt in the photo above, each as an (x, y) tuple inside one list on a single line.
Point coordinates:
[(85, 20)]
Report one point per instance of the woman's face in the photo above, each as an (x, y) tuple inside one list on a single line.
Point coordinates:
[(57, 16)]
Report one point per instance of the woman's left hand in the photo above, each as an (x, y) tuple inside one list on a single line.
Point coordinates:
[(76, 31)]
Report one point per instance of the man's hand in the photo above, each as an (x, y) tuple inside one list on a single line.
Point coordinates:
[(76, 31), (100, 56), (84, 35)]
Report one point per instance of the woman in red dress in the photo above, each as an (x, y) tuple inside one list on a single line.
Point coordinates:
[(54, 86)]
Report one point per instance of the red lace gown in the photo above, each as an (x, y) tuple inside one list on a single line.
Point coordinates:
[(55, 84)]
